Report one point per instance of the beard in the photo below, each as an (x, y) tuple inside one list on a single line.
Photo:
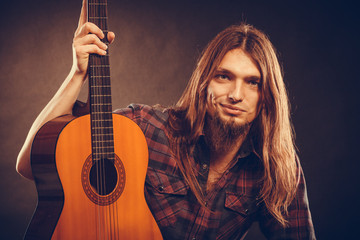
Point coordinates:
[(221, 135)]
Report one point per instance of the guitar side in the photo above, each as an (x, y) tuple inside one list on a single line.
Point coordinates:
[(48, 185), (75, 214)]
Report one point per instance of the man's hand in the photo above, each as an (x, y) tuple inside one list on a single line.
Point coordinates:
[(86, 41)]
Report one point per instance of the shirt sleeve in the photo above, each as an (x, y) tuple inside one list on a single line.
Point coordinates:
[(133, 111), (300, 225)]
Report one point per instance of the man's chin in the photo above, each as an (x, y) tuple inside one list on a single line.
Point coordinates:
[(222, 132), (234, 121)]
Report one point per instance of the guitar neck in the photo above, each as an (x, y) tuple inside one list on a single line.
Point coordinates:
[(100, 88)]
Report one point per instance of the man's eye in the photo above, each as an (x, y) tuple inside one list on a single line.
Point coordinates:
[(222, 76), (254, 83)]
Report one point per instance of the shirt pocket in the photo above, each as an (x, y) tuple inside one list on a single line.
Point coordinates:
[(166, 195), (240, 203), (238, 215)]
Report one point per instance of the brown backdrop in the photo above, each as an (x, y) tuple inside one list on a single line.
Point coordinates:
[(154, 53)]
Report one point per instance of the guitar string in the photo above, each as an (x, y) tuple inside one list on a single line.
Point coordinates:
[(107, 209), (97, 158), (92, 116), (94, 137), (108, 96), (107, 153), (112, 223), (101, 142), (96, 153), (93, 133), (112, 213), (102, 148), (108, 141)]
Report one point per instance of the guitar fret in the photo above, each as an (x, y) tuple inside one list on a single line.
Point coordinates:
[(94, 66), (99, 95), (98, 158), (101, 113), (102, 147), (97, 17), (102, 136), (101, 104), (103, 141), (101, 127)]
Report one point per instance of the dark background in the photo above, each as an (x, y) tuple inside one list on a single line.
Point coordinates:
[(152, 58)]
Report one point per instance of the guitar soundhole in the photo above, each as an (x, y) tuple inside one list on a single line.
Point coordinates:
[(103, 182), (103, 177)]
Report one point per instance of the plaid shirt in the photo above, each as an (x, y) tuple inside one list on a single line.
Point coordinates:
[(233, 202)]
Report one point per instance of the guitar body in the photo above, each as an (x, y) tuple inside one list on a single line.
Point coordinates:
[(90, 171), (69, 206)]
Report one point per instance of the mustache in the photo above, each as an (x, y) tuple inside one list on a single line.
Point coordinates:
[(222, 135), (211, 99)]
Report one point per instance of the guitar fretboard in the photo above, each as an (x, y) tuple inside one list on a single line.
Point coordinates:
[(100, 90)]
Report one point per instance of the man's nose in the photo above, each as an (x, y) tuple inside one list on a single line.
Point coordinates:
[(236, 93)]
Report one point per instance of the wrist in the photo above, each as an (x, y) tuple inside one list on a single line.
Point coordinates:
[(77, 76)]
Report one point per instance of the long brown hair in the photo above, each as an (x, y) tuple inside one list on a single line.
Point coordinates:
[(272, 128)]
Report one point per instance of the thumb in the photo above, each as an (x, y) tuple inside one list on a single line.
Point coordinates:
[(83, 14)]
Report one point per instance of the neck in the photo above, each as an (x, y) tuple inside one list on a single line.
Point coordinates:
[(224, 139), (221, 159)]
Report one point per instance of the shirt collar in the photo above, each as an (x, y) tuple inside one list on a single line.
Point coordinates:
[(202, 150)]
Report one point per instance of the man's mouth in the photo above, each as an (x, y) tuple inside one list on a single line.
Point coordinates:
[(232, 110)]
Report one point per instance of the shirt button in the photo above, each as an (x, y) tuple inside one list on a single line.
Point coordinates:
[(193, 238), (161, 188), (204, 166)]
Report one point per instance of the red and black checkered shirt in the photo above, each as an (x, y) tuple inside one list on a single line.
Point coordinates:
[(233, 202)]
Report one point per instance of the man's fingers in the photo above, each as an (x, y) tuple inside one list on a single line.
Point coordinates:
[(85, 50), (83, 15), (111, 36), (90, 39), (87, 28)]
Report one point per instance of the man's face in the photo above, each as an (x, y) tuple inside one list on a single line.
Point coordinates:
[(234, 91)]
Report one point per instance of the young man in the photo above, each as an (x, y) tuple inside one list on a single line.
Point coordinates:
[(224, 156)]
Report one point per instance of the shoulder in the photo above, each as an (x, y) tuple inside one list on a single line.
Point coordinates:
[(152, 120), (141, 113)]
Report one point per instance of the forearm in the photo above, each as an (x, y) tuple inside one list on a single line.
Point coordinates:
[(86, 41), (61, 104)]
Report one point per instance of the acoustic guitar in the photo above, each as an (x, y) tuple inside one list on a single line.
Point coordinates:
[(90, 170)]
